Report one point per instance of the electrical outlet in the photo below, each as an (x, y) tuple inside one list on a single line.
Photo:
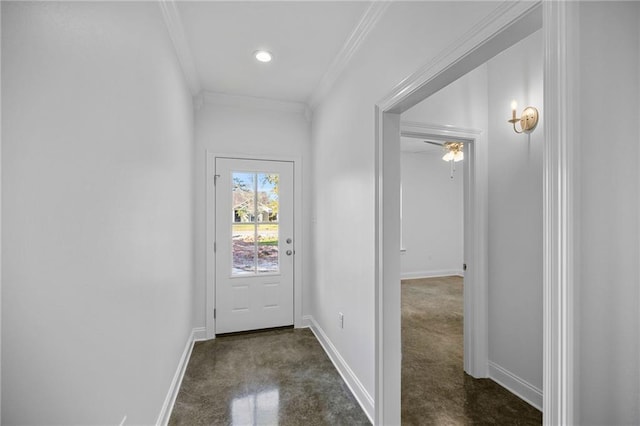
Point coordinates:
[(341, 319)]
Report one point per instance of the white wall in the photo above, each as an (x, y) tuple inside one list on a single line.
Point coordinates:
[(515, 214), (608, 374), (409, 35), (97, 202), (246, 130), (432, 216), (462, 103)]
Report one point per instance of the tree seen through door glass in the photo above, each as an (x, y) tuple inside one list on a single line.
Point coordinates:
[(255, 228)]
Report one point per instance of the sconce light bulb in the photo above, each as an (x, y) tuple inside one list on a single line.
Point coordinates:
[(514, 105)]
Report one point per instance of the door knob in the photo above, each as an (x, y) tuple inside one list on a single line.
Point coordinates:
[(289, 240), (289, 252)]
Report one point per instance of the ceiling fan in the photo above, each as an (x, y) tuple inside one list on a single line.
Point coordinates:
[(434, 143), (453, 152)]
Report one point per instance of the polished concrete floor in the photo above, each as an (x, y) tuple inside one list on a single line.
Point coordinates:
[(279, 377), (284, 377), (435, 389)]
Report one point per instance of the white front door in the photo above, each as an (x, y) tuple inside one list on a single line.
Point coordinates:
[(254, 245)]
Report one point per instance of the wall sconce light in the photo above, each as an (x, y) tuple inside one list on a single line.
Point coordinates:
[(528, 120)]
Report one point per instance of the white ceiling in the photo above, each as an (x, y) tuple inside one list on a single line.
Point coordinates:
[(305, 37)]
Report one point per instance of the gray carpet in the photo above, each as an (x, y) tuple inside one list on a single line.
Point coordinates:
[(435, 389)]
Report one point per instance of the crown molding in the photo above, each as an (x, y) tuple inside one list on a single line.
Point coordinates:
[(367, 22), (174, 25), (224, 99)]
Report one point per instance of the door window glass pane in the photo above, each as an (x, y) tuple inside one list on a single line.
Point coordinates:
[(268, 248), (243, 239), (255, 230), (244, 195), (268, 197)]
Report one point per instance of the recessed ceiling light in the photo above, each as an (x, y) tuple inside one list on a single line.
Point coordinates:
[(263, 55)]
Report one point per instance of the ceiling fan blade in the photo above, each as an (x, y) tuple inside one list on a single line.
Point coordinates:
[(434, 143)]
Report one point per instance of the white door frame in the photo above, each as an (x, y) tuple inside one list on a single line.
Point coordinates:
[(476, 337), (510, 23), (210, 272)]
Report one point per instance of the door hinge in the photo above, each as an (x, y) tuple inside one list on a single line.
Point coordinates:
[(214, 246), (214, 313), (464, 266), (215, 179)]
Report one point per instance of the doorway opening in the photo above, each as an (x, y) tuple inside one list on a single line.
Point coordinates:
[(432, 287), (455, 240), (503, 32), (432, 317)]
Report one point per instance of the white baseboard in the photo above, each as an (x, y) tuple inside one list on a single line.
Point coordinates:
[(165, 413), (431, 274), (307, 321), (357, 389), (199, 334), (516, 385)]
